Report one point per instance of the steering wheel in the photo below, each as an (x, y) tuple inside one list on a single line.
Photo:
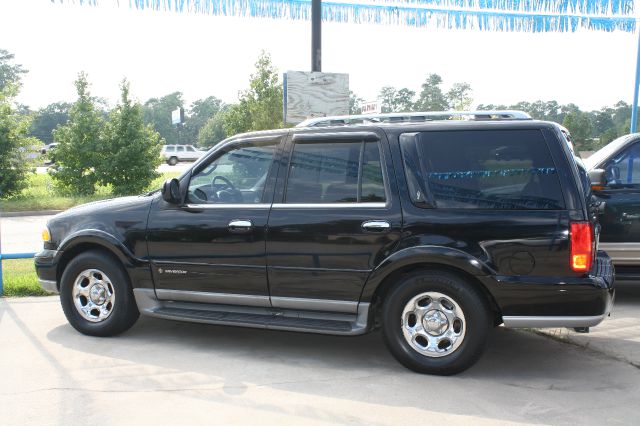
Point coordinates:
[(228, 193)]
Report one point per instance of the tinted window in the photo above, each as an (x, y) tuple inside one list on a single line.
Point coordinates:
[(624, 169), (236, 176), (170, 149), (510, 169), (191, 149), (180, 148), (335, 172)]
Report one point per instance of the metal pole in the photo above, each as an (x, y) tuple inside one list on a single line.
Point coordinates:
[(316, 35), (634, 109), (1, 278)]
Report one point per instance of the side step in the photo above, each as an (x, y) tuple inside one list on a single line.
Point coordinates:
[(255, 317)]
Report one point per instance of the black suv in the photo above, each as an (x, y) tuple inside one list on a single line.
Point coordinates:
[(434, 232)]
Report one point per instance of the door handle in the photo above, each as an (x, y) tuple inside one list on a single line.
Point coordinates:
[(376, 226), (240, 226)]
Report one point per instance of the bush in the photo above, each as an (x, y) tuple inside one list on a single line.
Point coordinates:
[(130, 151)]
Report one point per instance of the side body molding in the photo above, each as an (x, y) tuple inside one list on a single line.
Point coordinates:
[(436, 255)]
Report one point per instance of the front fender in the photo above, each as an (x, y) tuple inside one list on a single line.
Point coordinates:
[(100, 238), (421, 255)]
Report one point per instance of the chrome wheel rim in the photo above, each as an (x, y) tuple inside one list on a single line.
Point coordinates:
[(93, 295), (433, 324)]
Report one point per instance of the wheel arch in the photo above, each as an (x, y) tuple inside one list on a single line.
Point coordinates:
[(427, 258), (106, 243)]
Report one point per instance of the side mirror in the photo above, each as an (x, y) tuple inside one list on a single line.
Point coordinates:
[(171, 191), (598, 179)]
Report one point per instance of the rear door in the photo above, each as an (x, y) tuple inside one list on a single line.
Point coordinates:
[(335, 217)]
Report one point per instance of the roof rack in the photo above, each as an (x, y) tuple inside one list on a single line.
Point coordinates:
[(415, 117)]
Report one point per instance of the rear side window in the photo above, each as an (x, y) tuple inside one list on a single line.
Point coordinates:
[(495, 169), (335, 172)]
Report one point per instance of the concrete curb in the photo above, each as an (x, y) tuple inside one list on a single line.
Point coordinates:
[(30, 213)]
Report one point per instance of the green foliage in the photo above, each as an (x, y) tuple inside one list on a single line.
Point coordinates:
[(9, 73), (79, 141), (355, 103), (157, 112), (260, 107), (431, 97), (199, 113), (393, 100), (459, 96), (14, 143), (20, 279), (213, 131), (130, 150), (46, 120)]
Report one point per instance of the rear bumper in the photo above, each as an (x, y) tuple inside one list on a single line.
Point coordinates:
[(538, 302)]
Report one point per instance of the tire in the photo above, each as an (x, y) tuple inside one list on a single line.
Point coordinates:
[(172, 161), (96, 295), (434, 322)]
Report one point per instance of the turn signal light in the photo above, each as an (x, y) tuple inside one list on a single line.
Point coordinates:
[(46, 237), (581, 246)]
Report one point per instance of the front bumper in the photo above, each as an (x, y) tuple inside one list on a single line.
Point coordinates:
[(539, 302), (46, 263)]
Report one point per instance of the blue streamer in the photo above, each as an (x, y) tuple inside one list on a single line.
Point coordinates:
[(486, 15)]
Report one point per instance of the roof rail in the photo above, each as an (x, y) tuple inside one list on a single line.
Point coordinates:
[(415, 117)]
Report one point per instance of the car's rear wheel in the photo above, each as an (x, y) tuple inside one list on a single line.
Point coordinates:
[(172, 161), (96, 295), (435, 322)]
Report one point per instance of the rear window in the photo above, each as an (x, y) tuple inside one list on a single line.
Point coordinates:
[(494, 169)]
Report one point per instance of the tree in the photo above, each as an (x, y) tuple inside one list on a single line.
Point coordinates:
[(79, 141), (355, 104), (213, 131), (46, 119), (14, 143), (259, 107), (459, 96), (393, 100), (200, 112), (157, 112), (579, 125), (10, 74), (431, 97), (130, 151)]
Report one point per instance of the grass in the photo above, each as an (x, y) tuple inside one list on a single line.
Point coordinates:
[(41, 194), (20, 279)]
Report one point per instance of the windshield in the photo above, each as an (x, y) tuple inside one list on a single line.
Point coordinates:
[(604, 152)]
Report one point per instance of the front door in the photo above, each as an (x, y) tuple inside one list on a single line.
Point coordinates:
[(620, 211), (335, 219), (211, 249)]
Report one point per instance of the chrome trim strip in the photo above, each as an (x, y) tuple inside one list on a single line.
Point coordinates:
[(49, 285), (220, 298), (228, 206), (315, 304), (622, 253), (329, 205), (552, 322)]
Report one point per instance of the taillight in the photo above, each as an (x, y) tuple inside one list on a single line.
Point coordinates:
[(581, 246)]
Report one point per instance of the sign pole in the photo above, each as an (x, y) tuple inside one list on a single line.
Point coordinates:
[(316, 35), (634, 108)]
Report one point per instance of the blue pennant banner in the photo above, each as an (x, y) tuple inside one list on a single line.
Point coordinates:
[(486, 15)]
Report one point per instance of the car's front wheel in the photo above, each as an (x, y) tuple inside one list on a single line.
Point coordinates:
[(96, 295), (172, 161), (435, 322)]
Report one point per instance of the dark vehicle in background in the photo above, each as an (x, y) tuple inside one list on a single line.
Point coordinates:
[(433, 231), (615, 174)]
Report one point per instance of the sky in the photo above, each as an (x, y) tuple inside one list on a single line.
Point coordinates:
[(203, 55)]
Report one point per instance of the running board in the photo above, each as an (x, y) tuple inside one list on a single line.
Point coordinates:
[(255, 317)]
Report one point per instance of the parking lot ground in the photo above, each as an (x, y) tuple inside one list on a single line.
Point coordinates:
[(165, 372), (617, 336)]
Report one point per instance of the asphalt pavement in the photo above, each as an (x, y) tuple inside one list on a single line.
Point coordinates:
[(170, 372), (22, 234)]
